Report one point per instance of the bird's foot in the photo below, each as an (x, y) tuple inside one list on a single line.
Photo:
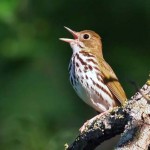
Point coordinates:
[(88, 123)]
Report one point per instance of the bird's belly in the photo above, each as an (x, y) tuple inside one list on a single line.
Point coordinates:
[(89, 90)]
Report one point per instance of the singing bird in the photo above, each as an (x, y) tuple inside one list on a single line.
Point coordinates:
[(90, 75)]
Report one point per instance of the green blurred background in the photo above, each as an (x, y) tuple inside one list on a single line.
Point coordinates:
[(38, 108)]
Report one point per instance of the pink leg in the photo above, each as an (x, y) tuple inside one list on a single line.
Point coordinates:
[(89, 122)]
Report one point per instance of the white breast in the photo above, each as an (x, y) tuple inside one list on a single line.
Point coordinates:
[(87, 82)]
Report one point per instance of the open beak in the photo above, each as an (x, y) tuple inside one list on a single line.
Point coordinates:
[(75, 35)]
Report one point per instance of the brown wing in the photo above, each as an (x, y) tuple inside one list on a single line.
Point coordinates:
[(112, 82)]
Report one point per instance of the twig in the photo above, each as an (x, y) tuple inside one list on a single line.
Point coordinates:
[(133, 120)]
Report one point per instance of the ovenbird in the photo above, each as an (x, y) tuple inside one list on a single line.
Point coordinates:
[(90, 75)]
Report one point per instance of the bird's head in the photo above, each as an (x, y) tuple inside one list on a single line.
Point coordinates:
[(85, 40)]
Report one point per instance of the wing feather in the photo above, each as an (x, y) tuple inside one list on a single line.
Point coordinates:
[(111, 81)]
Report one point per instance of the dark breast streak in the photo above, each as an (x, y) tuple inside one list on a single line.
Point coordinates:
[(81, 67), (81, 63)]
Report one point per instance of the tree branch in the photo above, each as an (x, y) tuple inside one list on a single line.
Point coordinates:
[(133, 120)]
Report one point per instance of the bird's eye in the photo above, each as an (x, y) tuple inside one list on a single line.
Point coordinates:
[(86, 36)]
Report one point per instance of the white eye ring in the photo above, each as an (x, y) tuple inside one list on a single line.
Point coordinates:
[(86, 36)]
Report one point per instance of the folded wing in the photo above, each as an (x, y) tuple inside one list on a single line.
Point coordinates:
[(111, 81)]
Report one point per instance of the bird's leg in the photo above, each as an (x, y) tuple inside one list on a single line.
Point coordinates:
[(89, 122)]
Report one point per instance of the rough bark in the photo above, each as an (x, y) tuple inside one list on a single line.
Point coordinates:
[(132, 120)]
